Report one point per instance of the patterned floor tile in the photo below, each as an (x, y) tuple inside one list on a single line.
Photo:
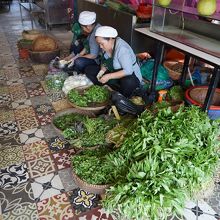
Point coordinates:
[(18, 92), (5, 99), (32, 79), (46, 118), (30, 136), (35, 150), (5, 60), (12, 73), (13, 139), (57, 143), (214, 200), (20, 104), (97, 213), (49, 132), (3, 90), (6, 115), (26, 71), (67, 179), (16, 197), (56, 207), (26, 118), (40, 69), (9, 144), (63, 159), (41, 166), (44, 109), (13, 175), (40, 100), (83, 201), (10, 156), (35, 89), (61, 105), (8, 128), (26, 212), (14, 82), (47, 186)]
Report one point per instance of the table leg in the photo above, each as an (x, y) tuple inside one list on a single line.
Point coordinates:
[(211, 89), (159, 54), (185, 70)]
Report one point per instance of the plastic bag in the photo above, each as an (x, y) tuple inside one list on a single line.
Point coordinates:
[(56, 80)]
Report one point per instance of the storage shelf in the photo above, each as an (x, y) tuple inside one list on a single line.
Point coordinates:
[(199, 52)]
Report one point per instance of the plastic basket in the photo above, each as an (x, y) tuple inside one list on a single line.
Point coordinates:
[(196, 96)]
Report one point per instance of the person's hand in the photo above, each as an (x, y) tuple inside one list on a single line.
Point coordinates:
[(100, 74), (104, 79)]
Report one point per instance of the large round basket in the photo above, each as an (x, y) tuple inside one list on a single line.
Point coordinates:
[(31, 34), (196, 96), (96, 189), (69, 111), (44, 43), (44, 57), (174, 74), (94, 107)]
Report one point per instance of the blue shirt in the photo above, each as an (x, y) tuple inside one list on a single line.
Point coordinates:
[(93, 45), (124, 58)]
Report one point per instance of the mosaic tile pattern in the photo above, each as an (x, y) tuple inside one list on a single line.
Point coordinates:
[(24, 212), (10, 156), (35, 150), (16, 197), (13, 175), (21, 104), (30, 136), (41, 166), (6, 115), (63, 158), (83, 201), (58, 143), (47, 186), (56, 207), (8, 128)]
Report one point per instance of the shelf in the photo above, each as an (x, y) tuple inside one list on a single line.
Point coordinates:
[(31, 7), (188, 10), (174, 41)]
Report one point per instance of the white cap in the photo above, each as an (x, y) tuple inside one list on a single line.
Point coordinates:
[(87, 17), (106, 31)]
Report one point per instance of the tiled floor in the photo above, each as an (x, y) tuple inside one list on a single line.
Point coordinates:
[(35, 174)]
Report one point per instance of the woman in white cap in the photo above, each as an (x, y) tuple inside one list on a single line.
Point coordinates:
[(119, 67), (88, 55)]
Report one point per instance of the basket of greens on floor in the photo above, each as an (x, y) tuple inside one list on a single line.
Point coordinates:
[(94, 98), (83, 130), (92, 169)]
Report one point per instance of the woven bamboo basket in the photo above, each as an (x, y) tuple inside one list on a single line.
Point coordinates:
[(69, 111), (44, 43), (44, 56), (94, 107), (175, 75), (96, 189), (31, 34)]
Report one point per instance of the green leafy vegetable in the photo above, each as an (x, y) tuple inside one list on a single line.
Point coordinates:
[(95, 94), (176, 93)]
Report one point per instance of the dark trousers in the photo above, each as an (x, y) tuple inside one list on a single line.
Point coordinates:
[(81, 62), (125, 85)]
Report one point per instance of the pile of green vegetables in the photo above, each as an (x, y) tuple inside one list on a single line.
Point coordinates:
[(95, 94), (83, 131), (176, 93), (83, 167), (56, 81), (163, 160)]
